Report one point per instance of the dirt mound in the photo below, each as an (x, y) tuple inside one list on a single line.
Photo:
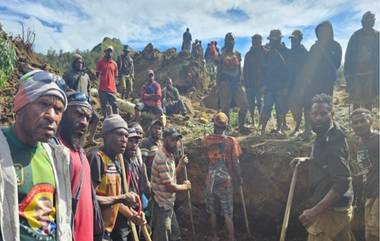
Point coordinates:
[(188, 74), (27, 60)]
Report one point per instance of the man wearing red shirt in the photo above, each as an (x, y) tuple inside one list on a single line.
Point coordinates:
[(106, 70), (151, 95), (71, 133)]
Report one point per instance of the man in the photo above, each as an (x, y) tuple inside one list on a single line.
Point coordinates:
[(253, 74), (276, 81), (322, 65), (106, 71), (71, 133), (330, 212), (296, 64), (136, 170), (229, 83), (186, 41), (150, 144), (78, 80), (151, 96), (34, 180), (361, 66), (171, 99), (126, 72), (107, 178), (164, 187), (211, 57), (368, 159), (224, 169)]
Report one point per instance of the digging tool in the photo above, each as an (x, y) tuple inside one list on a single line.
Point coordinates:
[(244, 210), (290, 200), (144, 227), (125, 184), (188, 193)]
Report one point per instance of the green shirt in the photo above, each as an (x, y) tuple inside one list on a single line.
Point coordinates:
[(36, 188)]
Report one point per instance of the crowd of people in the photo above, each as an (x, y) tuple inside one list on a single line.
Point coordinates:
[(52, 189), (274, 75)]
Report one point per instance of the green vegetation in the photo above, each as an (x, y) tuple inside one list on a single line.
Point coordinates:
[(8, 59)]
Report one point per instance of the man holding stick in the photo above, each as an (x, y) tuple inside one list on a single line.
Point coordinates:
[(223, 154), (164, 187), (107, 179), (329, 178)]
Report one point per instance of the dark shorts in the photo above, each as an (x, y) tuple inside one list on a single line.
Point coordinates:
[(231, 95), (153, 109), (254, 97), (221, 196), (107, 98)]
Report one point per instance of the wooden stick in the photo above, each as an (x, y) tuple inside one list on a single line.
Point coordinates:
[(244, 210), (125, 183), (188, 193), (289, 203)]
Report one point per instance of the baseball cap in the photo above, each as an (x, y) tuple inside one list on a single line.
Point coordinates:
[(171, 133), (220, 119)]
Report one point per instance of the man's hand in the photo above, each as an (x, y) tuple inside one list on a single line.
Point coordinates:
[(297, 161), (188, 184), (308, 217), (183, 161), (130, 198), (138, 219)]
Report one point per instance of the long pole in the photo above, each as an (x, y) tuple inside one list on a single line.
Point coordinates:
[(244, 210), (125, 183), (188, 194), (289, 203)]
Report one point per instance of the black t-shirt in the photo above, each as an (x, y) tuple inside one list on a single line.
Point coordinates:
[(329, 168), (368, 158)]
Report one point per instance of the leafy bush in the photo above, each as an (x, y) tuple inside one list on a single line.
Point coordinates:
[(8, 60)]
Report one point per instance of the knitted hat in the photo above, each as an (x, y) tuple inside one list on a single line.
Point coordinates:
[(112, 122), (38, 83)]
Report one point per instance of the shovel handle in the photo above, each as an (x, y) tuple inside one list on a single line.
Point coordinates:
[(289, 203)]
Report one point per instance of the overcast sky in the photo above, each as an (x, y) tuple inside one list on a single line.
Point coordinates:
[(81, 24)]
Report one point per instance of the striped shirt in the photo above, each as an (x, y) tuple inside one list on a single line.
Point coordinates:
[(163, 173)]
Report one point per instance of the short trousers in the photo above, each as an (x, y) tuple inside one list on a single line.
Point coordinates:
[(222, 197)]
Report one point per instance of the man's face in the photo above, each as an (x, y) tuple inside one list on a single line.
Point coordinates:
[(78, 65), (256, 43), (156, 131), (150, 77), (368, 22), (118, 138), (275, 42), (171, 144), (40, 119), (74, 124), (108, 53), (361, 124), (170, 82), (133, 144), (230, 41), (321, 117), (295, 42), (324, 34)]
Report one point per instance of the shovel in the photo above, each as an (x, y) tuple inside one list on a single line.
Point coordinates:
[(290, 199)]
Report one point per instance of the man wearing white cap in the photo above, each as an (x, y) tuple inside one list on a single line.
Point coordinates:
[(35, 195)]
